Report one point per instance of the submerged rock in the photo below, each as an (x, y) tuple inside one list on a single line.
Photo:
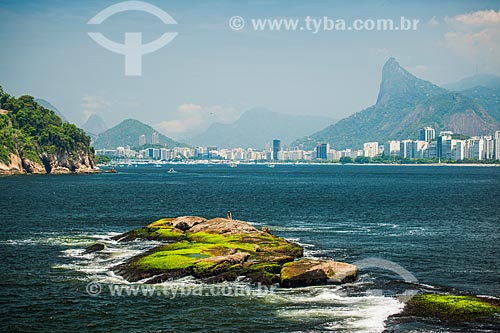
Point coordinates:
[(307, 272), (216, 250), (94, 248)]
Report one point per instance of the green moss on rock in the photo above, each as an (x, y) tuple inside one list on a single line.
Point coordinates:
[(268, 267), (450, 307), (159, 233), (161, 223)]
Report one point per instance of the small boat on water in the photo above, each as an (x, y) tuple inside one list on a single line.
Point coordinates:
[(171, 170), (233, 165), (271, 165), (157, 165), (111, 170)]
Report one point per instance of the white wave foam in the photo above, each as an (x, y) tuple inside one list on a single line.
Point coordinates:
[(70, 240), (291, 229), (96, 266), (298, 241), (354, 314), (391, 225), (339, 229)]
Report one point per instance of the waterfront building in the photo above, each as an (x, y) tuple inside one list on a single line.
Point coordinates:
[(166, 154), (391, 148), (444, 145), (427, 134), (404, 148), (459, 152), (370, 149), (496, 139), (276, 148), (475, 148), (155, 138), (416, 149), (297, 155), (489, 148), (322, 150), (334, 155), (142, 140)]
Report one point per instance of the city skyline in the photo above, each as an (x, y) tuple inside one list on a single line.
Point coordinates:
[(444, 147)]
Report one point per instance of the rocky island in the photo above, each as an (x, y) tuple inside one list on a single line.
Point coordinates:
[(35, 140), (223, 249)]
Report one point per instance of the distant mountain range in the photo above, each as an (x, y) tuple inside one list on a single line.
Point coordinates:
[(482, 80), (127, 133), (406, 103), (49, 106), (257, 128), (487, 97), (94, 126)]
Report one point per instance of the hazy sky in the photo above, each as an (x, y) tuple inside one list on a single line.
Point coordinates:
[(212, 73)]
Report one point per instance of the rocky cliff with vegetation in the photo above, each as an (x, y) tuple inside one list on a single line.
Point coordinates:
[(34, 139), (223, 249)]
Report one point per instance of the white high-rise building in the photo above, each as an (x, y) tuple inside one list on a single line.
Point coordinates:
[(475, 148), (405, 148), (432, 150), (391, 148), (427, 134), (155, 138), (416, 149), (166, 154), (446, 143), (142, 140), (297, 155), (334, 155), (459, 152), (183, 151), (156, 153), (370, 149), (489, 148)]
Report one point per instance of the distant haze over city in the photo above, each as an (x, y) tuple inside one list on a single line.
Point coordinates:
[(212, 74)]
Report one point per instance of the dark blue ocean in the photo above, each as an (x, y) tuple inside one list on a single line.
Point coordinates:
[(439, 224)]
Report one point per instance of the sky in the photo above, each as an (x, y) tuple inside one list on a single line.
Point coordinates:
[(211, 73)]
